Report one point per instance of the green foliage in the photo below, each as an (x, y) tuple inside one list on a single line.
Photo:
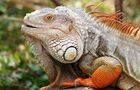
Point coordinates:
[(18, 70)]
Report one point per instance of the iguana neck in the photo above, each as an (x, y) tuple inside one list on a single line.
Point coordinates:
[(96, 30), (90, 33)]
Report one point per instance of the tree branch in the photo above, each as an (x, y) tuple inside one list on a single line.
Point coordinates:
[(119, 7), (11, 18), (57, 2)]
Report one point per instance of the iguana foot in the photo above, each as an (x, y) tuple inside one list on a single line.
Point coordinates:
[(104, 75), (78, 82)]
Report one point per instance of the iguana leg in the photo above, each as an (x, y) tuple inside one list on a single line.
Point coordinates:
[(106, 70), (126, 82), (86, 63)]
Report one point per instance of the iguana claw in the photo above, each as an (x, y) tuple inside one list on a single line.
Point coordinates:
[(78, 82), (67, 84)]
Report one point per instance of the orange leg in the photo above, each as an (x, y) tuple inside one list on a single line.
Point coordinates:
[(102, 77)]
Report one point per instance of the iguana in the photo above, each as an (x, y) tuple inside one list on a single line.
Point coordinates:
[(79, 50)]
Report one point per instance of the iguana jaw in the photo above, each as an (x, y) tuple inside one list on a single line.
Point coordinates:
[(59, 29), (65, 49), (63, 72)]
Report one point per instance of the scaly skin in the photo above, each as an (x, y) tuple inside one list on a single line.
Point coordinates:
[(66, 37)]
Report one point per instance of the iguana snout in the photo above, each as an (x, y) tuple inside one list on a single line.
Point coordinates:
[(56, 33)]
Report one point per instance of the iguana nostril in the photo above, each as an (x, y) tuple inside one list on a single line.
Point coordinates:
[(70, 54)]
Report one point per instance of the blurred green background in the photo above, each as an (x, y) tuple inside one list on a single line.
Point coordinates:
[(18, 67)]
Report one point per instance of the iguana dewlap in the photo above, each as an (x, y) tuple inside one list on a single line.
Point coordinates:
[(105, 49)]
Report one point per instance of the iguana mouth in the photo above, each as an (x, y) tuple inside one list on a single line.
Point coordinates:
[(30, 26)]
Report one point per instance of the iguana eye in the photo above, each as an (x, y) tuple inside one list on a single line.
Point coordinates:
[(49, 18)]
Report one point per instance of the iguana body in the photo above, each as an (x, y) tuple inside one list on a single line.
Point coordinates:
[(106, 52)]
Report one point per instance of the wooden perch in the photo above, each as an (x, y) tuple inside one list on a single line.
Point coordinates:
[(87, 88)]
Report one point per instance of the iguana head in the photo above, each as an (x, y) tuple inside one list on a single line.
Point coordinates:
[(57, 32)]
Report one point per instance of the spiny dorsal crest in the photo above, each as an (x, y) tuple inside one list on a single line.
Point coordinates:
[(113, 21)]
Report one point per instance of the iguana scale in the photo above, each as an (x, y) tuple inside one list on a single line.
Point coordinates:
[(79, 50)]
